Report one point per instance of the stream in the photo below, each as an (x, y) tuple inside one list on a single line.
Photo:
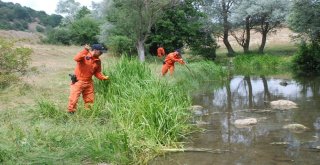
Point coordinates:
[(264, 143)]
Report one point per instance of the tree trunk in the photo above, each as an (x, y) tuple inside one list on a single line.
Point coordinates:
[(267, 95), (247, 40), (141, 53), (226, 29), (227, 44), (264, 33), (250, 94)]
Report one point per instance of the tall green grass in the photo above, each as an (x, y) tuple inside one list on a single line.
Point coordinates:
[(255, 64), (136, 113)]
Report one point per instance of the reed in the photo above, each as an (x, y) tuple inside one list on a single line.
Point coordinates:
[(254, 64), (135, 115)]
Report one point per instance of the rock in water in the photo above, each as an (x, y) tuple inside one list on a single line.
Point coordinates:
[(295, 128), (283, 83), (316, 124), (283, 104), (196, 108), (245, 122)]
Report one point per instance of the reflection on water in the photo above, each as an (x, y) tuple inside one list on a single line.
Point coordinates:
[(264, 143)]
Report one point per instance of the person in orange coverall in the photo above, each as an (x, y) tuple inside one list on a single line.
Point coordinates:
[(160, 51), (88, 64), (169, 61)]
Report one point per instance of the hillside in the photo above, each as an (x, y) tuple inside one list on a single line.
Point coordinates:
[(282, 38), (13, 16)]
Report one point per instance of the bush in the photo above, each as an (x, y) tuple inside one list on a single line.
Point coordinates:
[(39, 29), (13, 61), (258, 64), (84, 30), (204, 44), (121, 44), (59, 36), (307, 60)]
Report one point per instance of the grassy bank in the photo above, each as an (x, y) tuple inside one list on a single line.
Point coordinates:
[(135, 115), (255, 64)]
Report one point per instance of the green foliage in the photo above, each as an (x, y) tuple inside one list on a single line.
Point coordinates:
[(48, 109), (58, 36), (39, 29), (148, 110), (307, 60), (259, 64), (12, 61), (78, 27), (49, 21), (184, 25), (204, 44), (121, 44), (84, 30), (82, 12), (7, 80), (304, 19), (15, 17), (135, 115), (132, 19)]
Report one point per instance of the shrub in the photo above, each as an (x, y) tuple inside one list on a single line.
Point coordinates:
[(307, 60), (257, 64), (59, 36), (13, 61), (121, 44), (84, 30), (39, 29)]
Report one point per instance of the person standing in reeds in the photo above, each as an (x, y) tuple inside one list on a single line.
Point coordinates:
[(88, 64), (160, 52), (169, 61)]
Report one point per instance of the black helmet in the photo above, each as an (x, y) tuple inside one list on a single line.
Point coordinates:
[(100, 47)]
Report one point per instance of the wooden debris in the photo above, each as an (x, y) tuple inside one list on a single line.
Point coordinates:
[(216, 151)]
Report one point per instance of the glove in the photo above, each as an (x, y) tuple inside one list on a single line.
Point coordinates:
[(87, 46), (106, 78)]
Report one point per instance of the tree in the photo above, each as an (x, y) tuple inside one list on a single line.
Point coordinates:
[(134, 19), (267, 16), (304, 19), (84, 30), (220, 10), (184, 25), (242, 24), (82, 12), (69, 8)]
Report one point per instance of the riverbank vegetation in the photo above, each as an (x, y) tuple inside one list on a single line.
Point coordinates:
[(137, 113)]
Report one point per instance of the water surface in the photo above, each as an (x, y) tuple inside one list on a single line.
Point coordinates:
[(264, 143)]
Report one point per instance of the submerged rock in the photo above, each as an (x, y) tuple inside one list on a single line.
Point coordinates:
[(283, 104), (316, 124), (295, 128), (279, 143), (283, 83), (198, 110), (245, 122)]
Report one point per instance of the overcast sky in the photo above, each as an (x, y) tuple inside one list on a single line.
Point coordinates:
[(49, 6)]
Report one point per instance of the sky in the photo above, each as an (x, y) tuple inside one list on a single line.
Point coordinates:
[(49, 6)]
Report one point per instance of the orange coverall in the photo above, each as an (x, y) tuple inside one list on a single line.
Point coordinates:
[(87, 66), (169, 62), (161, 52)]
